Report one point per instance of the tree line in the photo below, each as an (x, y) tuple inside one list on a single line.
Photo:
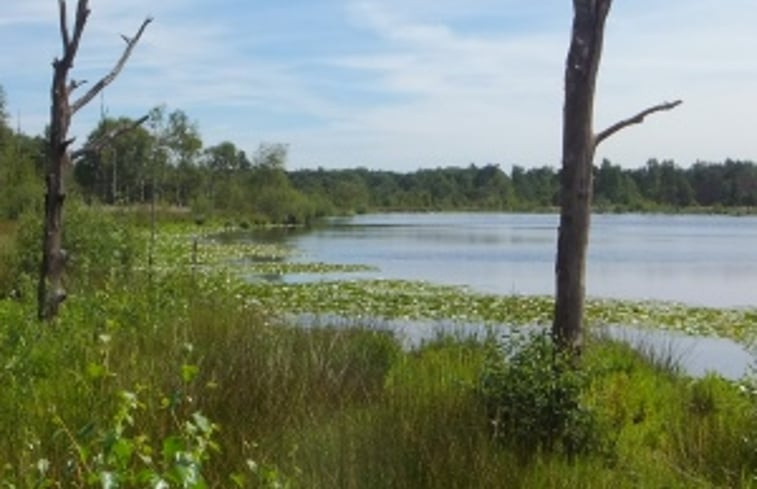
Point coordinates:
[(658, 185), (22, 159), (165, 159)]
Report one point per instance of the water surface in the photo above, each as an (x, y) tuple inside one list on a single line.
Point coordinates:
[(697, 260)]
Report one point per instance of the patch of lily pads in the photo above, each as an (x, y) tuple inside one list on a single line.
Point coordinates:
[(181, 249), (393, 299), (414, 300), (204, 251), (292, 268)]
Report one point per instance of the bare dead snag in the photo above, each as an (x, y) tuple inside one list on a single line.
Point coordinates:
[(50, 291), (579, 145)]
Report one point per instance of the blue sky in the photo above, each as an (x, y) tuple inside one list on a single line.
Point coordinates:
[(403, 84)]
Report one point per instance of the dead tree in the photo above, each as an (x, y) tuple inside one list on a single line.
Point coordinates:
[(51, 293), (579, 145)]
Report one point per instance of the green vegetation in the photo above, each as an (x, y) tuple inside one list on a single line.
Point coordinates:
[(169, 163), (21, 160), (166, 369), (392, 299), (165, 161), (657, 186), (183, 375)]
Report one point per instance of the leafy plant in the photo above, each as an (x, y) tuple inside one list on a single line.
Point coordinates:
[(98, 244), (533, 397), (120, 456)]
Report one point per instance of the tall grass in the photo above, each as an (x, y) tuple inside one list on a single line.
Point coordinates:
[(7, 252), (323, 407)]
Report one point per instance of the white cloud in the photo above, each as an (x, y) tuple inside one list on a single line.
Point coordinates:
[(407, 82)]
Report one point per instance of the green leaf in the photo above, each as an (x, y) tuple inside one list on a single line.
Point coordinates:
[(189, 372), (172, 446), (96, 371)]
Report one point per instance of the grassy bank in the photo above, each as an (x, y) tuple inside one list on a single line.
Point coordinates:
[(187, 375)]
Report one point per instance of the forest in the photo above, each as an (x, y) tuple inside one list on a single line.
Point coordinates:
[(166, 160)]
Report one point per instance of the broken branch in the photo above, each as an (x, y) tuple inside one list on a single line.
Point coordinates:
[(72, 46), (65, 36), (105, 81), (637, 119), (97, 145), (74, 84)]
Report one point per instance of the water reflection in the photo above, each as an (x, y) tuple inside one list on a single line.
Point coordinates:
[(694, 355), (698, 260)]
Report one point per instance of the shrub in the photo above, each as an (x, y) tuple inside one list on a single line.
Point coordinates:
[(98, 243), (532, 395)]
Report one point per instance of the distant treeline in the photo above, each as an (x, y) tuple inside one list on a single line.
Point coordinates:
[(166, 161), (655, 186)]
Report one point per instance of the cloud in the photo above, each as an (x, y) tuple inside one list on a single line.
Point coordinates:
[(463, 97), (404, 83)]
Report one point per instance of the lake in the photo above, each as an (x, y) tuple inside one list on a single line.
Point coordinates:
[(697, 260)]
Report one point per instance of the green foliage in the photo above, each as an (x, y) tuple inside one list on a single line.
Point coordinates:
[(533, 397), (112, 391), (360, 190), (656, 186), (717, 432), (703, 429), (120, 172), (8, 255), (99, 244), (120, 456), (21, 158)]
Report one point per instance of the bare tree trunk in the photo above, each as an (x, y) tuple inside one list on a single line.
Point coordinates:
[(579, 145), (50, 290)]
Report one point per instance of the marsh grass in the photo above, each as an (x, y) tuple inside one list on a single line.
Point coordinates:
[(321, 407), (7, 253)]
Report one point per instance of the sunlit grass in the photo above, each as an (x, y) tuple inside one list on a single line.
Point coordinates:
[(333, 407)]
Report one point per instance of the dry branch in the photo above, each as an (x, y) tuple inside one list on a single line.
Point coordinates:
[(637, 119), (114, 133), (71, 46), (64, 34), (74, 84), (107, 79)]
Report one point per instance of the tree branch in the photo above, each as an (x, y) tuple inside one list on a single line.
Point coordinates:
[(65, 36), (106, 80), (637, 119), (74, 84), (72, 46), (97, 145)]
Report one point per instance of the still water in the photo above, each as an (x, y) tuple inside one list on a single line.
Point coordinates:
[(697, 260)]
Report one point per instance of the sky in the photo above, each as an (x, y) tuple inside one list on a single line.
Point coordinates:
[(402, 84)]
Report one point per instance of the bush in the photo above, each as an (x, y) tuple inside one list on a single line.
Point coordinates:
[(98, 243), (532, 395)]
